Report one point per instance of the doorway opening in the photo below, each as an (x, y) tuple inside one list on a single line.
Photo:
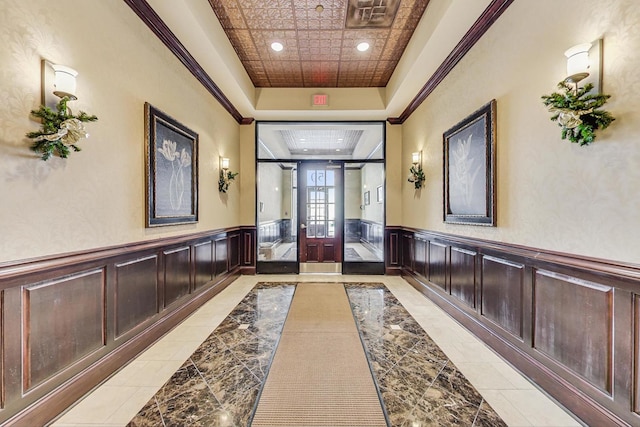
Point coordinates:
[(320, 197)]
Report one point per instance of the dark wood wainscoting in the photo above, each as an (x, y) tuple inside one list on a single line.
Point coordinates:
[(248, 261), (274, 232), (393, 250), (569, 323), (69, 321), (369, 233), (372, 235)]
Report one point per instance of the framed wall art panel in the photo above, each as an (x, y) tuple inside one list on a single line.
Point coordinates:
[(469, 169), (171, 170)]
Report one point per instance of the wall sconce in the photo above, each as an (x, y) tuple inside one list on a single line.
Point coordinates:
[(224, 163), (416, 174), (65, 81), (226, 176), (584, 61), (416, 158), (61, 130), (578, 111), (58, 80)]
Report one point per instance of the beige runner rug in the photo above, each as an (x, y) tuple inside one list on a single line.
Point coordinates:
[(319, 375)]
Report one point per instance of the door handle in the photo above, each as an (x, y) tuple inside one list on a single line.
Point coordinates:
[(303, 226)]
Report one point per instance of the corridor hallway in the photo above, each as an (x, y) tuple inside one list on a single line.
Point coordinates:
[(195, 377)]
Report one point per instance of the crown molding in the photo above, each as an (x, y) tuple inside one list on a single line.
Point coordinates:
[(146, 13), (477, 30)]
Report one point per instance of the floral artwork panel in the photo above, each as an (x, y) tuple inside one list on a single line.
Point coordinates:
[(469, 169), (172, 170)]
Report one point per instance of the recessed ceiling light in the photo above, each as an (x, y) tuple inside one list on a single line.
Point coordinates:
[(363, 47), (305, 149), (337, 149), (277, 46)]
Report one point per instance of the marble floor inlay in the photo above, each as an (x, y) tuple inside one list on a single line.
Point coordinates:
[(418, 384), (220, 382)]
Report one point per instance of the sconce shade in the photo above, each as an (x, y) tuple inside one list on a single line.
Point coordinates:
[(65, 81), (578, 62), (224, 163), (415, 157)]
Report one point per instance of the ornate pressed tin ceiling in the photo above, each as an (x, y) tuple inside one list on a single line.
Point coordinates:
[(319, 39)]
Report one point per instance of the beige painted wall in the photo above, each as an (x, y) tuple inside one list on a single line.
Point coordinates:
[(96, 197), (551, 194), (248, 174), (397, 168)]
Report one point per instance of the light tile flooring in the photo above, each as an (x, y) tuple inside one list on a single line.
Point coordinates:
[(364, 252), (119, 399)]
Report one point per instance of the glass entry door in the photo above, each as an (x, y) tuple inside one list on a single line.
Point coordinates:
[(320, 197), (277, 249), (320, 217)]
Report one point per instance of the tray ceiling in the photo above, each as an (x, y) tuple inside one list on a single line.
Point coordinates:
[(319, 39)]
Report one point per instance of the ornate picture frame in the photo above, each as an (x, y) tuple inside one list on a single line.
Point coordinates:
[(469, 169), (171, 170)]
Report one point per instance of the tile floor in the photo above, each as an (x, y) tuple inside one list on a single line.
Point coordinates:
[(118, 400)]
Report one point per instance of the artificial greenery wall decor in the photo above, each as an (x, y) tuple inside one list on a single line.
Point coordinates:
[(226, 176), (416, 176), (578, 113), (60, 131)]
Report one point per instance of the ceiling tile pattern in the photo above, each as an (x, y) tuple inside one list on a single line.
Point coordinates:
[(319, 47), (321, 142)]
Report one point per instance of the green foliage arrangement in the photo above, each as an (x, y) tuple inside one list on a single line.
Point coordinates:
[(416, 175), (225, 180), (60, 131), (578, 113)]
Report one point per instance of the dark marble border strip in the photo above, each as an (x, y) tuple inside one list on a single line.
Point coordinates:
[(219, 383), (366, 352), (419, 384)]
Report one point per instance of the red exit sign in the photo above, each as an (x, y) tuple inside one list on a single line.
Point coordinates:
[(320, 99)]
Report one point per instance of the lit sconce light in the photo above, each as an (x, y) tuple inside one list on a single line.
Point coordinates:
[(416, 174), (226, 176), (415, 158), (58, 80), (61, 130), (224, 163), (65, 81), (577, 62), (584, 61)]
